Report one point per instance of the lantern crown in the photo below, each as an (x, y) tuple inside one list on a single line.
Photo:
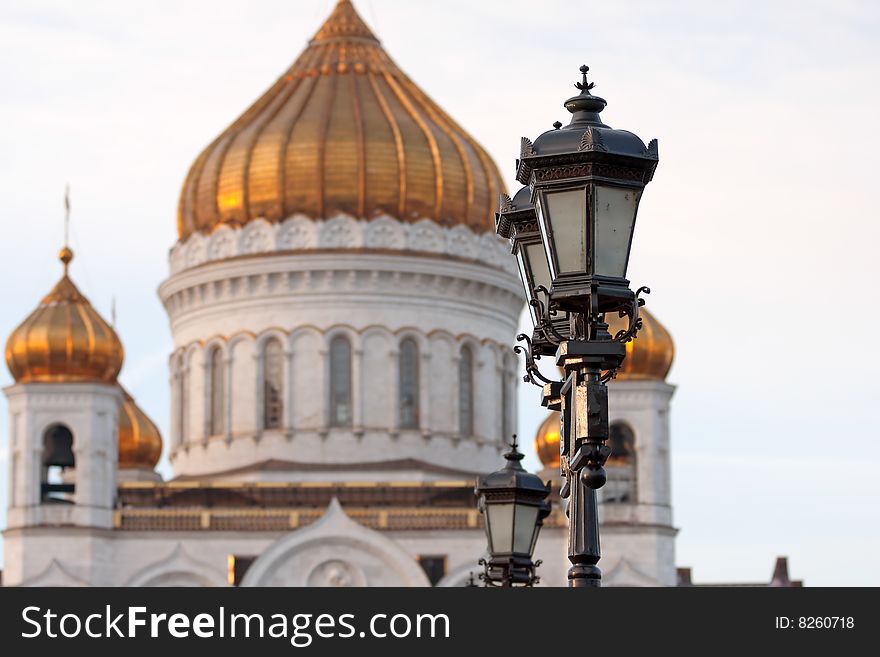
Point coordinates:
[(514, 213), (514, 480), (586, 139)]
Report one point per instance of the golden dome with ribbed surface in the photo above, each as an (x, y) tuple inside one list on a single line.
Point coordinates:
[(140, 443), (64, 340), (650, 355), (344, 130)]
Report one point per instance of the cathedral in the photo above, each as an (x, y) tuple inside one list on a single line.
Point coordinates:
[(342, 316)]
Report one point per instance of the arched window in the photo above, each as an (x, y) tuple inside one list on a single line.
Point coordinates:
[(408, 394), (621, 485), (506, 428), (58, 461), (183, 401), (340, 382), (466, 392), (217, 412), (622, 441), (273, 384)]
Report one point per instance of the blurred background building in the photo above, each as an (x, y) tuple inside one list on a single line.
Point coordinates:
[(342, 315)]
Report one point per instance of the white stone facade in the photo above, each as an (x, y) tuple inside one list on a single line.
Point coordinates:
[(376, 283), (90, 412), (302, 284), (335, 551)]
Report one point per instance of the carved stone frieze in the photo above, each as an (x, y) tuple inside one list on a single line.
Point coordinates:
[(299, 233)]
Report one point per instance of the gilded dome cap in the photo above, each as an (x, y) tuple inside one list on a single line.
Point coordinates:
[(547, 441), (64, 339), (344, 130), (650, 355), (140, 443)]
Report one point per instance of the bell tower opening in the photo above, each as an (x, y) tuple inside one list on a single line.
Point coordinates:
[(57, 477), (621, 486)]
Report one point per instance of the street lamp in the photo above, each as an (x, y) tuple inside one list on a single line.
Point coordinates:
[(585, 180), (514, 505)]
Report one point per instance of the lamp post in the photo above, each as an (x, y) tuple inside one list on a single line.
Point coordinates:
[(584, 182), (514, 505)]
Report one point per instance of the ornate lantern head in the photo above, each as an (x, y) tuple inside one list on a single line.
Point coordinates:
[(514, 504), (586, 181), (516, 220)]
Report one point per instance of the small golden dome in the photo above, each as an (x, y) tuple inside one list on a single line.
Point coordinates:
[(140, 443), (650, 355), (344, 130), (64, 339), (547, 441)]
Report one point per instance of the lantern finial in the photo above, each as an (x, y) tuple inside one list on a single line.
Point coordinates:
[(584, 86), (585, 106), (514, 456)]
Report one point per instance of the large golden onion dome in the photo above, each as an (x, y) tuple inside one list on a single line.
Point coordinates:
[(140, 443), (650, 355), (344, 130), (64, 339)]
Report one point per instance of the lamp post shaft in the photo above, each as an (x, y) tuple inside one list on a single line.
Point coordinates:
[(588, 430), (583, 537)]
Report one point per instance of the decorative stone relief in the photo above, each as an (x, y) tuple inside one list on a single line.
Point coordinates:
[(384, 233), (341, 232), (462, 242), (298, 232), (336, 573), (335, 551), (196, 253), (427, 236), (221, 244), (257, 237)]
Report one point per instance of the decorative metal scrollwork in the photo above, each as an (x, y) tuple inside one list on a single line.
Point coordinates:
[(635, 322), (608, 375), (546, 314), (501, 576), (546, 328), (532, 371)]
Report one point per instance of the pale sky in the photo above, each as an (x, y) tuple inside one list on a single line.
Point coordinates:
[(758, 234)]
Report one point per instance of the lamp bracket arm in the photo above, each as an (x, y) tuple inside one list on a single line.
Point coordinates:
[(546, 313), (532, 371), (635, 322)]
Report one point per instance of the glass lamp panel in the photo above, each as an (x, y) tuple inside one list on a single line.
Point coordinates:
[(615, 215), (499, 517), (534, 271), (524, 528), (564, 228), (525, 275), (534, 538), (540, 268)]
